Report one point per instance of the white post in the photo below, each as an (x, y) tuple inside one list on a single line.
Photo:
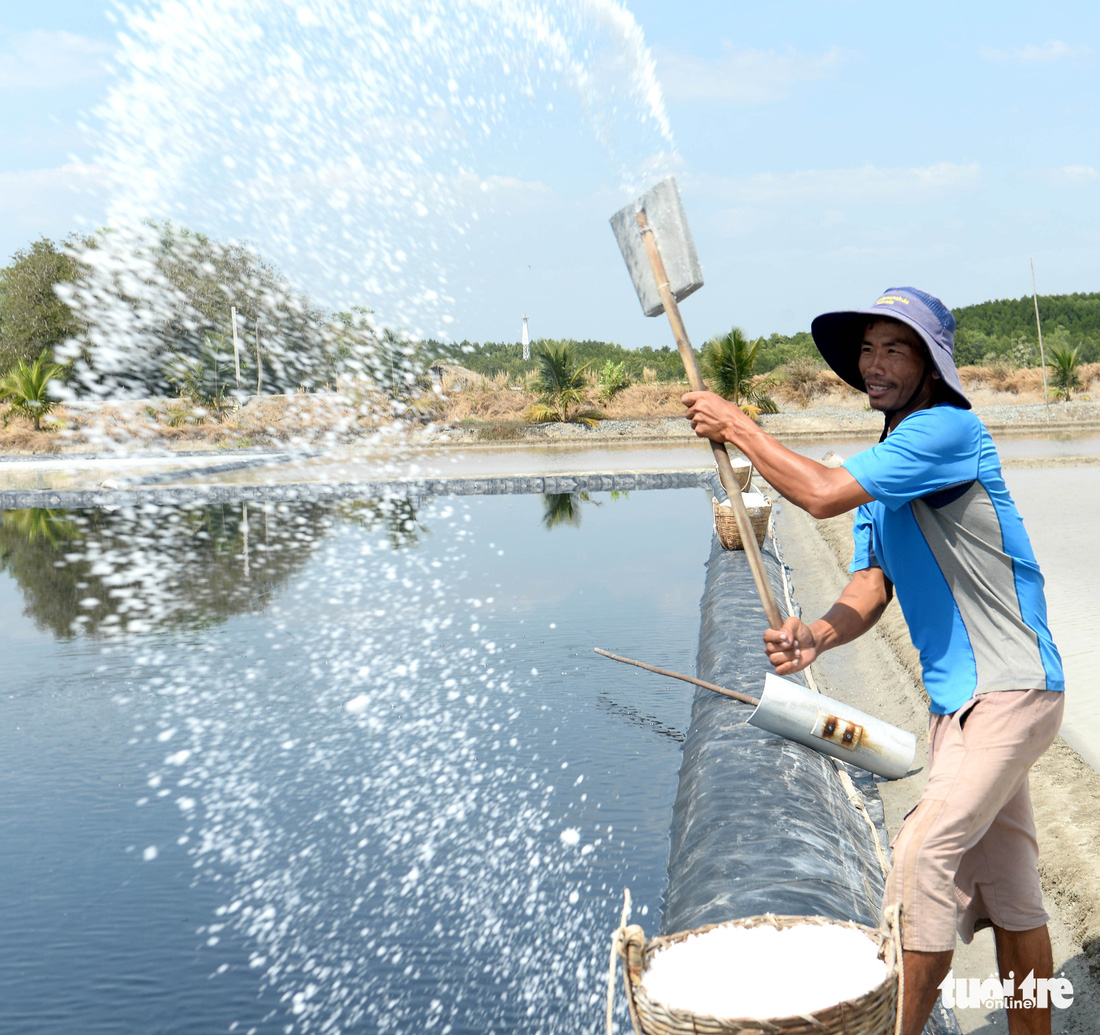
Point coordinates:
[(244, 533), (236, 347), (526, 339), (1039, 328)]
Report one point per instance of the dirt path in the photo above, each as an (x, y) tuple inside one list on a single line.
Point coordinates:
[(882, 675)]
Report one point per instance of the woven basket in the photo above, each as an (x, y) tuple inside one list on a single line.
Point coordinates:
[(874, 1013), (726, 525)]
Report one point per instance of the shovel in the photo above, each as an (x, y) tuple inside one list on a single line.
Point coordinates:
[(656, 243)]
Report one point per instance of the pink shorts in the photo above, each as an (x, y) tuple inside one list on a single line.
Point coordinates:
[(966, 856)]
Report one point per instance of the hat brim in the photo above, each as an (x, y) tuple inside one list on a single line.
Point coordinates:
[(839, 335)]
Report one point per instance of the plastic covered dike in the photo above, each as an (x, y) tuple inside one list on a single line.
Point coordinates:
[(762, 824)]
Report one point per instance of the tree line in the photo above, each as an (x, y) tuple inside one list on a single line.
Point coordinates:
[(988, 333), (163, 310), (152, 314)]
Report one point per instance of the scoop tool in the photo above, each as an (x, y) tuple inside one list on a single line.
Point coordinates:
[(656, 243), (832, 727)]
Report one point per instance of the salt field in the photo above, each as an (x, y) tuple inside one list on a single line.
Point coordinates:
[(286, 755), (357, 769)]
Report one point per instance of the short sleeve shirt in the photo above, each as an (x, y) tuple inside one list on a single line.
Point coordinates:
[(945, 531)]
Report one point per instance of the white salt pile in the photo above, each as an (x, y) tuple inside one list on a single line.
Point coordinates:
[(750, 499), (763, 971)]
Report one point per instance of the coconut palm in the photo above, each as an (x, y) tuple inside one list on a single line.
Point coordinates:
[(728, 362), (563, 508), (26, 387), (1067, 376), (560, 383)]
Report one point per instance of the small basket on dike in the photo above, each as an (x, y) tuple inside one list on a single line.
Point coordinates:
[(794, 978), (759, 508)]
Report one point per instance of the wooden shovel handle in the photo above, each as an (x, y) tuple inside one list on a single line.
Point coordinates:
[(725, 468)]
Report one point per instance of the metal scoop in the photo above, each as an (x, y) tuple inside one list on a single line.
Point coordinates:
[(832, 727)]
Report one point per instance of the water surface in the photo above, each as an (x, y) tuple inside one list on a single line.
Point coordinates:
[(269, 771)]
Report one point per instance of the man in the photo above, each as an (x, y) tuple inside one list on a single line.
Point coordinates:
[(936, 524)]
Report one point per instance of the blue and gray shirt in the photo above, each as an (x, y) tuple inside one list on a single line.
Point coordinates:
[(945, 531)]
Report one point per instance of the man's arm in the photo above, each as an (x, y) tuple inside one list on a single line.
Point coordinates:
[(822, 491), (796, 645)]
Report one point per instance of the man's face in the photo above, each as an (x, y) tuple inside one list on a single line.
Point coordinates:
[(892, 364)]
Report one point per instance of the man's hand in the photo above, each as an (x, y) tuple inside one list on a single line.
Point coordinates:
[(712, 416), (791, 648)]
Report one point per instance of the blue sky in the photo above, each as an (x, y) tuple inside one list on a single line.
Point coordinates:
[(825, 151)]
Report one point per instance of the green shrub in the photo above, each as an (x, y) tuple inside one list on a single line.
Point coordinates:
[(26, 387), (1067, 376), (613, 379)]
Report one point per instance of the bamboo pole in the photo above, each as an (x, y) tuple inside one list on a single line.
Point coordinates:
[(724, 691), (1039, 328), (721, 457)]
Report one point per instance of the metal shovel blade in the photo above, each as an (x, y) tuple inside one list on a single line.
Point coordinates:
[(668, 220), (834, 728)]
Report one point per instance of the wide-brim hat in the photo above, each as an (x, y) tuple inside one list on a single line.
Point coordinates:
[(838, 336)]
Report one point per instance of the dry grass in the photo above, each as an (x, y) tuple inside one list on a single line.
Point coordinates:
[(176, 424), (802, 384), (355, 410), (648, 399)]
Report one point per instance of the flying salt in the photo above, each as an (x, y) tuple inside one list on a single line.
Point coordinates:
[(764, 972)]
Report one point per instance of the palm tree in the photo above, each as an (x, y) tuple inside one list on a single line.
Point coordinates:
[(563, 508), (560, 384), (40, 523), (1066, 373), (26, 388), (728, 363)]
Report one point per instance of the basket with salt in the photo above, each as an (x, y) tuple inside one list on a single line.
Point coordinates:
[(759, 508), (763, 975)]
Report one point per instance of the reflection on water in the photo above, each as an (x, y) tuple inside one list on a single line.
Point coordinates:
[(565, 508), (136, 569), (380, 789)]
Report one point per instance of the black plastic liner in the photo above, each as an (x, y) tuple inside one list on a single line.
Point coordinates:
[(761, 824)]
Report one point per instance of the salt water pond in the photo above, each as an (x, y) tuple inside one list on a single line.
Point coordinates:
[(342, 767)]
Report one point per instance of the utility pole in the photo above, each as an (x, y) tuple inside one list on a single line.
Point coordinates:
[(259, 364), (236, 347), (1039, 328)]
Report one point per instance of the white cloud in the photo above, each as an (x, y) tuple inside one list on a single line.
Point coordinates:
[(834, 186), (36, 202), (1070, 176), (50, 60), (741, 76), (1052, 50), (26, 183)]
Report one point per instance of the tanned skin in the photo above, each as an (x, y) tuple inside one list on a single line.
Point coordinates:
[(899, 381)]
